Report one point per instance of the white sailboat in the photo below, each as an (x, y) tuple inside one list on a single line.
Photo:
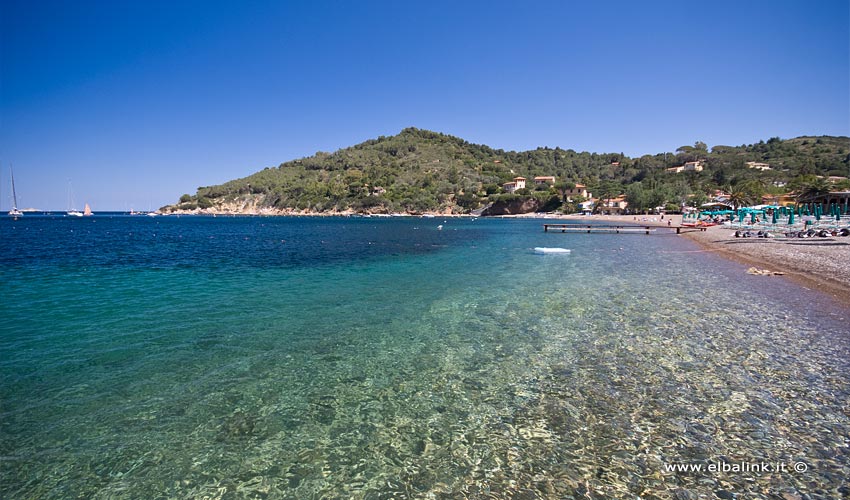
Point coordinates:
[(73, 212), (14, 212)]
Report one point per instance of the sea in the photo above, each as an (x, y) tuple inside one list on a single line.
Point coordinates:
[(402, 357)]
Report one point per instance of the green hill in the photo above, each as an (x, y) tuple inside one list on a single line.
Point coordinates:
[(422, 171)]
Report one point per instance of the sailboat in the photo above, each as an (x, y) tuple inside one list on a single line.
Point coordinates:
[(72, 211), (14, 212)]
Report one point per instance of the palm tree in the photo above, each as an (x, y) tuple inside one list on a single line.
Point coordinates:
[(813, 189), (739, 196)]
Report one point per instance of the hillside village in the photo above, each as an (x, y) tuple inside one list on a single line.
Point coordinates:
[(418, 171)]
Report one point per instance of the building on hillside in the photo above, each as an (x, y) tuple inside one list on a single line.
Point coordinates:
[(544, 179), (836, 178), (614, 206), (578, 190), (691, 166), (758, 166), (518, 183)]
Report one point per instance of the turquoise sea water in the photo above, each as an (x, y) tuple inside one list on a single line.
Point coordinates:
[(302, 358)]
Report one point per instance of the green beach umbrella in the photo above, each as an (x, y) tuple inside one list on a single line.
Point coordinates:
[(791, 219), (775, 218), (752, 217)]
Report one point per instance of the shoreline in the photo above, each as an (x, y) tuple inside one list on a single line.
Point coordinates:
[(821, 264), (814, 264)]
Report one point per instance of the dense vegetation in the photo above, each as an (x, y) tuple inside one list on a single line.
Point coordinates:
[(419, 171)]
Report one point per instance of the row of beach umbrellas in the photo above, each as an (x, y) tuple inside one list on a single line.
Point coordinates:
[(818, 210)]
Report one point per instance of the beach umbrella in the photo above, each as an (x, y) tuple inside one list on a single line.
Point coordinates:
[(791, 219), (752, 217), (775, 218)]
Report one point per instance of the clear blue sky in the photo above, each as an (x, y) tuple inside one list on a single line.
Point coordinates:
[(139, 102)]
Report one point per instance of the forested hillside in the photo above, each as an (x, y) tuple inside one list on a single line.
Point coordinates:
[(422, 171)]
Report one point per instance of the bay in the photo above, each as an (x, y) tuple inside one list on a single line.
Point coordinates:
[(247, 357)]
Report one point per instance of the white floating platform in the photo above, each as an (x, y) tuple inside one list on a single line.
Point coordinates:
[(551, 250)]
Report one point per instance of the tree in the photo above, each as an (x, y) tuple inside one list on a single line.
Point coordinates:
[(605, 190), (636, 196), (562, 187), (739, 196), (813, 188)]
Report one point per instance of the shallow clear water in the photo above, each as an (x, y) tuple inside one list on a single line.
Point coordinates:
[(383, 358)]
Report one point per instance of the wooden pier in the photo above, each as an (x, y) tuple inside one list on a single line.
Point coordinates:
[(609, 228)]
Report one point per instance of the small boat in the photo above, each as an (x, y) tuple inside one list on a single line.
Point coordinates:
[(14, 212), (551, 250), (73, 212)]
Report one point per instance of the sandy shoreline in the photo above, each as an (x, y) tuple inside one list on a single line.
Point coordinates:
[(821, 264)]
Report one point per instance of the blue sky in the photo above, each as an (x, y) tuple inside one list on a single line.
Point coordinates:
[(136, 103)]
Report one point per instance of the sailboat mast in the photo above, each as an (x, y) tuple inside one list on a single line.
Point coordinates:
[(14, 194)]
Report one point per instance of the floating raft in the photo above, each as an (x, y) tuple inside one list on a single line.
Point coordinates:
[(551, 250)]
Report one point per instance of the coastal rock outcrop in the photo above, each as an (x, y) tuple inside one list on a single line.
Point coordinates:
[(514, 207)]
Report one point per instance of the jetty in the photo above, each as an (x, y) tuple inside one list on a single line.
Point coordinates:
[(611, 228)]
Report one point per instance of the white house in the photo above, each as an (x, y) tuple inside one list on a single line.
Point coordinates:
[(518, 183), (691, 166), (758, 166), (579, 190)]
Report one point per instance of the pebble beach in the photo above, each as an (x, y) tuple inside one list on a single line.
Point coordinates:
[(817, 263)]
